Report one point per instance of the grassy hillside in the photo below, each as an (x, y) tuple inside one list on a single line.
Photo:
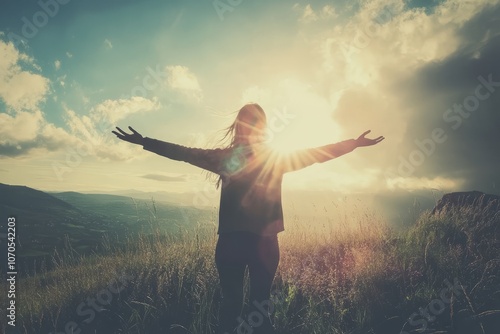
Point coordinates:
[(43, 220), (353, 276), (48, 223)]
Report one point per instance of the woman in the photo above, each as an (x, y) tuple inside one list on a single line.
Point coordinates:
[(250, 212)]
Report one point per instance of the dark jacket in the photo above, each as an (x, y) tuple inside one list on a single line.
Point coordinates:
[(251, 182)]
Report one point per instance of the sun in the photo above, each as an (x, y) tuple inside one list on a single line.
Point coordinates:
[(294, 139), (281, 147), (282, 142)]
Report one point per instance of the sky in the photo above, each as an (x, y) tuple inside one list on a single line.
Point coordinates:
[(424, 74)]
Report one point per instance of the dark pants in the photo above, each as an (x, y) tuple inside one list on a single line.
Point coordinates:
[(233, 253)]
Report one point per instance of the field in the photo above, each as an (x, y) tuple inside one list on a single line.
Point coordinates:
[(350, 275)]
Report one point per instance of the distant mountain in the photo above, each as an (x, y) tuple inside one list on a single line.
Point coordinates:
[(99, 203), (18, 199), (45, 222), (132, 210), (173, 198)]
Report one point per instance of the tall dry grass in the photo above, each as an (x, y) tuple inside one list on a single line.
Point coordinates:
[(349, 273)]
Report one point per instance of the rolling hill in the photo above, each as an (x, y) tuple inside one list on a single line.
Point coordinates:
[(50, 221)]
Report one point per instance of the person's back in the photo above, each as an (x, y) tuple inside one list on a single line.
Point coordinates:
[(251, 192)]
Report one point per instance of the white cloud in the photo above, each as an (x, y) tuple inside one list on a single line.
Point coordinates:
[(115, 110), (182, 79), (383, 34), (24, 131), (94, 130), (62, 80), (54, 138), (57, 65), (108, 44), (22, 91), (95, 135), (69, 55), (24, 126), (420, 183), (19, 89), (382, 44), (307, 13), (28, 134), (328, 11), (367, 56)]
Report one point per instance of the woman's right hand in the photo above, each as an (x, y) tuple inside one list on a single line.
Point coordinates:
[(134, 138)]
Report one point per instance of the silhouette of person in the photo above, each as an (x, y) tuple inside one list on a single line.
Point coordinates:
[(250, 211)]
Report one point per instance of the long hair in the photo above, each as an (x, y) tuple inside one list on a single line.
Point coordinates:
[(232, 135)]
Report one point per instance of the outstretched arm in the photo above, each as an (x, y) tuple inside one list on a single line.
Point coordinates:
[(203, 158), (306, 157)]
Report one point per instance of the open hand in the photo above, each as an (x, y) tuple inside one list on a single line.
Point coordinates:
[(134, 138), (362, 141)]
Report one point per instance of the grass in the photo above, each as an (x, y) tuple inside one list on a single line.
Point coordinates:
[(351, 275)]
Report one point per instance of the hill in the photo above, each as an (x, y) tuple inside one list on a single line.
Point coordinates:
[(48, 222), (22, 198), (43, 220), (132, 210)]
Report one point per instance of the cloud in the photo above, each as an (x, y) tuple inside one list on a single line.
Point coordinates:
[(180, 78), (384, 40), (451, 94), (24, 131), (444, 53), (69, 55), (115, 110), (328, 12), (307, 13), (108, 44), (96, 139), (23, 127), (93, 130), (57, 65), (397, 70), (20, 89), (62, 80), (28, 133), (165, 178), (424, 183)]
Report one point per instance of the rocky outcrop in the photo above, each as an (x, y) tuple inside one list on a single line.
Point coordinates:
[(468, 198)]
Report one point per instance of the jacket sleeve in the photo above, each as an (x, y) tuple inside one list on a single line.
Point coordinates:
[(209, 159), (303, 158)]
